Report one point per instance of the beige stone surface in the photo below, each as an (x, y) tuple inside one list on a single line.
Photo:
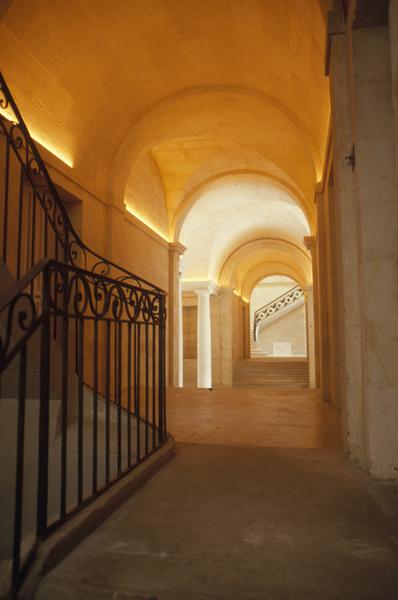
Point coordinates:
[(190, 373), (211, 120), (288, 328), (232, 211), (239, 523), (120, 99), (247, 417), (350, 317), (376, 191), (256, 256)]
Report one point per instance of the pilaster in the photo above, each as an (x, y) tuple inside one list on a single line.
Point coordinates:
[(350, 306), (309, 308), (376, 198), (176, 250), (313, 315), (226, 299)]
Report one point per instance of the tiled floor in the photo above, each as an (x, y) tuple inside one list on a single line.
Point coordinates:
[(249, 417)]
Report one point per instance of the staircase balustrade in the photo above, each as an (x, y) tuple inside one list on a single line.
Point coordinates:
[(34, 222), (82, 359), (274, 307)]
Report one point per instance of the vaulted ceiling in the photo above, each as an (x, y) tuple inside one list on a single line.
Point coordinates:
[(152, 100), (228, 216)]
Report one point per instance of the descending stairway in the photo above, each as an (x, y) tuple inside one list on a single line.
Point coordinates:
[(271, 373)]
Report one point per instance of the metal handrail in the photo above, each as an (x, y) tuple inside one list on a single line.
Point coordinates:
[(271, 308), (35, 169), (120, 330), (98, 331), (22, 283)]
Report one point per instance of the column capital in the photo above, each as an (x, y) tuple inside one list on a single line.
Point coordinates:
[(227, 290), (202, 292), (177, 247), (200, 287)]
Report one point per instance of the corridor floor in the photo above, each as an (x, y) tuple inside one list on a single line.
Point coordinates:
[(239, 522), (252, 417)]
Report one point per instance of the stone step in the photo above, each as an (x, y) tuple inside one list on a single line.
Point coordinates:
[(276, 386), (273, 373), (250, 376)]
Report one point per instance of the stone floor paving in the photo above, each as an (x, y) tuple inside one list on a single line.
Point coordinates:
[(240, 522), (248, 417)]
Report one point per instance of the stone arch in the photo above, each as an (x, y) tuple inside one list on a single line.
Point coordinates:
[(261, 251), (174, 117), (269, 270), (194, 195)]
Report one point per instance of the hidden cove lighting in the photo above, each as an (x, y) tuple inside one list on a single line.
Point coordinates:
[(240, 296), (59, 154), (54, 151), (147, 223)]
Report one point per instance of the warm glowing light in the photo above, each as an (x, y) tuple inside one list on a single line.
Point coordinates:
[(8, 114), (198, 281), (147, 223), (57, 153), (240, 296)]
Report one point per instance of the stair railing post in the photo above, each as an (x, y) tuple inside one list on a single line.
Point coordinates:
[(42, 487), (161, 362)]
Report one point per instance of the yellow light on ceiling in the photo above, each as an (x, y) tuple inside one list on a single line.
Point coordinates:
[(37, 138), (54, 151), (193, 280), (147, 223), (240, 296), (7, 114)]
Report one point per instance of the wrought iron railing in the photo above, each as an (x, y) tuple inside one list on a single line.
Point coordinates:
[(264, 314), (34, 222), (82, 361)]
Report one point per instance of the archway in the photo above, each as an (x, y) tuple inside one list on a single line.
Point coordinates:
[(236, 229), (278, 322)]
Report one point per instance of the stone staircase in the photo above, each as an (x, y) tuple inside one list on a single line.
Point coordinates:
[(255, 349), (271, 373), (271, 312)]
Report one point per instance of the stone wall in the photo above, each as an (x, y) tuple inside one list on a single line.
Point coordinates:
[(363, 84), (393, 31), (288, 328)]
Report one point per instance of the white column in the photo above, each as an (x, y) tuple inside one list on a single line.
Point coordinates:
[(180, 330), (204, 339)]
